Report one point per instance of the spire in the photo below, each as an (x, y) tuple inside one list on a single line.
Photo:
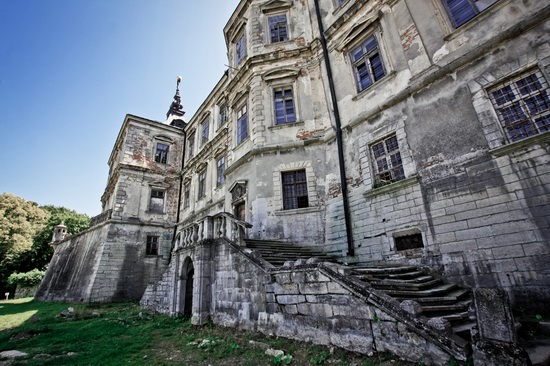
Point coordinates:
[(176, 108)]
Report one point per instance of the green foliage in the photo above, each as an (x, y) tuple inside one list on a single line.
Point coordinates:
[(319, 359), (538, 317), (25, 233), (26, 279), (282, 360), (453, 362)]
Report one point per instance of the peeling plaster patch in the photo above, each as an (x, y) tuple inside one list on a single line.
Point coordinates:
[(440, 53)]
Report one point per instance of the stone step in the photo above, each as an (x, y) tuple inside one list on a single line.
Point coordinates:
[(449, 298), (457, 317), (413, 294), (418, 279), (441, 308), (384, 269), (406, 286)]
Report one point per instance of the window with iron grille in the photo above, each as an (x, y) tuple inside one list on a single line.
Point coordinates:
[(240, 49), (191, 145), (367, 63), (283, 100), (186, 195), (205, 129), (461, 11), (242, 124), (220, 180), (522, 105), (387, 163), (294, 186), (202, 184), (223, 114), (156, 202), (152, 247), (161, 154), (278, 28)]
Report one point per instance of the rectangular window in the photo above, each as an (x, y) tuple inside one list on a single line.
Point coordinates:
[(161, 155), (186, 195), (220, 180), (156, 203), (294, 189), (152, 247), (242, 124), (522, 105), (202, 184), (461, 11), (406, 242), (223, 114), (367, 63), (388, 166), (240, 49), (278, 28), (205, 129), (191, 145), (283, 100)]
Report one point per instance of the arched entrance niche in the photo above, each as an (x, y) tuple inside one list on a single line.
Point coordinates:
[(187, 273)]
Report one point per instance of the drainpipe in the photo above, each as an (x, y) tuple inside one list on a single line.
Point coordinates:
[(180, 189), (339, 142)]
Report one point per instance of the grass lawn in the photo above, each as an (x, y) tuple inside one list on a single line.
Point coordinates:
[(124, 334)]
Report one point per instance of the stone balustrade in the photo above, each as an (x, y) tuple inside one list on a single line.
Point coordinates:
[(221, 225), (102, 217)]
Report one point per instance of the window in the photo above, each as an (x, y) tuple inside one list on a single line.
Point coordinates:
[(186, 195), (152, 247), (223, 114), (388, 166), (367, 63), (156, 203), (522, 105), (294, 189), (278, 29), (161, 155), (242, 124), (461, 11), (284, 105), (202, 184), (406, 242), (205, 128), (220, 180), (191, 145), (240, 49)]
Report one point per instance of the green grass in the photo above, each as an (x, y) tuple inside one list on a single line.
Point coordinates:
[(124, 334)]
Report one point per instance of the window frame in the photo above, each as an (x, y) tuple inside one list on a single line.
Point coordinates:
[(285, 99), (514, 97), (201, 179), (220, 171), (191, 145), (157, 193), (222, 114), (396, 171), (365, 57), (161, 156), (205, 131), (270, 33), (242, 123), (289, 190), (240, 48), (152, 245), (186, 195), (473, 11)]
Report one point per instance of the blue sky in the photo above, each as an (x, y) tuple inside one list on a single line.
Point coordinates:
[(70, 70)]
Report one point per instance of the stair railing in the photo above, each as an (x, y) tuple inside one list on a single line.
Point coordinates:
[(221, 225)]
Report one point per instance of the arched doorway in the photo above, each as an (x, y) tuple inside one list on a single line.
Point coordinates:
[(187, 273)]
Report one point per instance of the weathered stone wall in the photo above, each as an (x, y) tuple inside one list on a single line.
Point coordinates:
[(314, 303), (105, 263)]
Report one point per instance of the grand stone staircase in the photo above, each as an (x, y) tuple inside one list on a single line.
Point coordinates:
[(437, 298)]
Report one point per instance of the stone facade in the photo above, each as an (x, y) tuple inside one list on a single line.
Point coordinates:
[(387, 131)]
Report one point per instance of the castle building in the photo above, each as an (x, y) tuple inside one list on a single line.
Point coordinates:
[(376, 132)]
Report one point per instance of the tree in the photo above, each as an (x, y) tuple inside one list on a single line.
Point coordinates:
[(25, 233)]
